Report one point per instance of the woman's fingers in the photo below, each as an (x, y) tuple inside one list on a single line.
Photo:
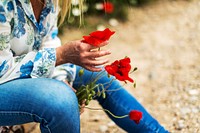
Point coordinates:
[(91, 62), (96, 54), (93, 68), (90, 47), (82, 107), (95, 65), (94, 62)]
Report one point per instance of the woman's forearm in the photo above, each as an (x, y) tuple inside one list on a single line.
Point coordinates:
[(59, 59)]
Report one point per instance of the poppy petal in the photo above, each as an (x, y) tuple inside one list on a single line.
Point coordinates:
[(97, 37)]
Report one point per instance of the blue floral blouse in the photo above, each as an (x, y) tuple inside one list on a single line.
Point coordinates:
[(27, 47)]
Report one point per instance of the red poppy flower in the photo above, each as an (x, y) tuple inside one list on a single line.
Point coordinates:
[(108, 7), (135, 116), (97, 37), (120, 69)]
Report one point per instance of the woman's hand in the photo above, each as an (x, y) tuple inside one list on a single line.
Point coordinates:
[(82, 54)]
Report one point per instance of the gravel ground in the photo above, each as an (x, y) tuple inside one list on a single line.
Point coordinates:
[(162, 40)]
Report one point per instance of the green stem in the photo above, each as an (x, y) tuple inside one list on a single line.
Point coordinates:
[(80, 90), (93, 88), (91, 76), (98, 75), (114, 89), (115, 116), (81, 98), (109, 84)]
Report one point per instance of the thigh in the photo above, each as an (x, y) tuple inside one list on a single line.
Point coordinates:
[(28, 100)]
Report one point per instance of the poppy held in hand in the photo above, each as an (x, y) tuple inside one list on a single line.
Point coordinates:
[(135, 116), (97, 37), (120, 69)]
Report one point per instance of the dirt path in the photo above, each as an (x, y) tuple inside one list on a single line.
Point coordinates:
[(163, 41)]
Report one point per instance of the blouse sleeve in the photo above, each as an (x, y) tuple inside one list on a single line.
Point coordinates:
[(33, 64), (61, 72)]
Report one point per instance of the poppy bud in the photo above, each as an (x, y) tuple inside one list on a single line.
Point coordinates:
[(98, 93), (89, 96), (134, 85), (87, 102), (81, 72), (93, 92), (103, 94), (135, 69)]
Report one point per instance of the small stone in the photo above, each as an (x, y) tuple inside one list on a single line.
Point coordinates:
[(103, 128), (193, 92), (174, 119), (111, 124), (180, 125), (96, 118), (177, 105), (185, 110), (195, 110), (193, 98)]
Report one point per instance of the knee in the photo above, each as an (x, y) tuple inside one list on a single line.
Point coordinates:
[(57, 101)]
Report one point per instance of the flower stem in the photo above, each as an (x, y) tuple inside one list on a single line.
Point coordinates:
[(115, 116), (91, 76), (98, 76)]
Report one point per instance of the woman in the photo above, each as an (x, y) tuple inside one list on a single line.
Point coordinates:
[(35, 70)]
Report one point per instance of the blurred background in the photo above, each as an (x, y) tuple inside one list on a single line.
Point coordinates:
[(162, 38)]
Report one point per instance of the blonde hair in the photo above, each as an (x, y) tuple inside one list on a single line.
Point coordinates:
[(65, 8)]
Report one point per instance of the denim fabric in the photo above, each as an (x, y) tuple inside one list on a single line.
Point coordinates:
[(54, 105), (121, 102), (47, 101)]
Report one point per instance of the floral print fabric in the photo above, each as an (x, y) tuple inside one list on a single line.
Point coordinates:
[(27, 47)]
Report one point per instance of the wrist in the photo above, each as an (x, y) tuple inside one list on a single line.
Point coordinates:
[(59, 57)]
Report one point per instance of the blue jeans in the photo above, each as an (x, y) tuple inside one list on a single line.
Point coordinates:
[(54, 105)]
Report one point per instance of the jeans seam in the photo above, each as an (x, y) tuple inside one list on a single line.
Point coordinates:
[(16, 112)]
